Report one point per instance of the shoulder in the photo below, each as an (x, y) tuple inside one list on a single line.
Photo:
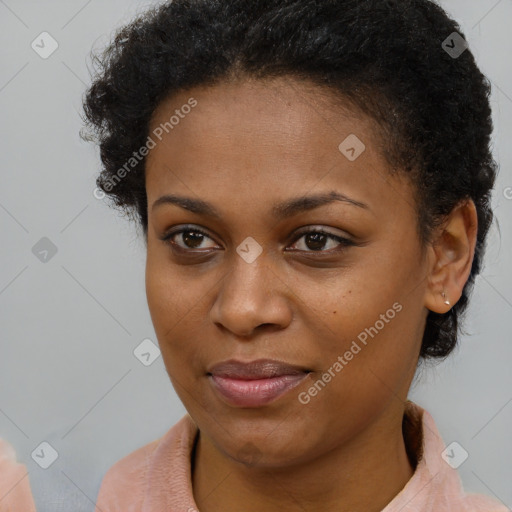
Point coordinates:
[(15, 492), (482, 503), (123, 486), (126, 484), (435, 485)]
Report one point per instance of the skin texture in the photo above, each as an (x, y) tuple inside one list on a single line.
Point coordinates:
[(246, 146)]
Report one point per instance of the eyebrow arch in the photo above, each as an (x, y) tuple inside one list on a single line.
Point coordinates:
[(279, 211)]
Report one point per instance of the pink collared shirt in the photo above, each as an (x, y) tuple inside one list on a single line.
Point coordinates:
[(15, 493), (157, 477)]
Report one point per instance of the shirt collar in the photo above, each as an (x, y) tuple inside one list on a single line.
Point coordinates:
[(435, 486)]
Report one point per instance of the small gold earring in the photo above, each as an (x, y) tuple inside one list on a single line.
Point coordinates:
[(446, 301)]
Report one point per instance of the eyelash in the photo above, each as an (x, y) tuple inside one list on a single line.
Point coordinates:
[(344, 242)]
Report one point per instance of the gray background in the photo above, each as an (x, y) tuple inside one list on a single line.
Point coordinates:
[(69, 326)]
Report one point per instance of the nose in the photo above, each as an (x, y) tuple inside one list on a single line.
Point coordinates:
[(252, 296)]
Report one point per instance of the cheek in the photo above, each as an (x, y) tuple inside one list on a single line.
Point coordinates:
[(358, 380), (169, 296), (163, 299), (177, 308), (371, 318)]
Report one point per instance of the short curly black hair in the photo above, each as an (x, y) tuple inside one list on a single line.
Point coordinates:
[(392, 59)]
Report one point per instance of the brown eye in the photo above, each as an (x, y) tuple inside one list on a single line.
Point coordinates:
[(191, 238), (316, 240)]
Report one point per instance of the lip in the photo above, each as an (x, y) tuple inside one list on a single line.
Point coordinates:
[(256, 369), (255, 383)]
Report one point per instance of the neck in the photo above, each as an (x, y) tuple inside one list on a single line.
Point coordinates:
[(366, 473)]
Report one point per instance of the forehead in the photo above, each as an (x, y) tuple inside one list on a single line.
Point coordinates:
[(274, 137)]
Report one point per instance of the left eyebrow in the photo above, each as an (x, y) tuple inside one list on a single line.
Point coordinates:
[(306, 203), (279, 211)]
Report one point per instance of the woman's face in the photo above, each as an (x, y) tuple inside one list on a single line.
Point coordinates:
[(258, 281)]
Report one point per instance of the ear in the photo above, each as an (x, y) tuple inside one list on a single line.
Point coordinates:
[(451, 255)]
